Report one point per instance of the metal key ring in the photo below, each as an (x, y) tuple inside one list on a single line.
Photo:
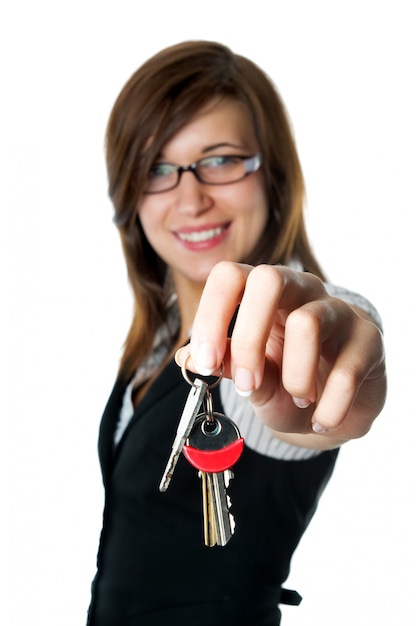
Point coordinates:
[(190, 382)]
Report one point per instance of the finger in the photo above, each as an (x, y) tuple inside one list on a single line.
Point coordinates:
[(183, 356), (307, 329), (351, 372), (251, 333), (271, 294), (221, 296)]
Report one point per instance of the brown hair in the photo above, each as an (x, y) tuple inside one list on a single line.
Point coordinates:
[(158, 100)]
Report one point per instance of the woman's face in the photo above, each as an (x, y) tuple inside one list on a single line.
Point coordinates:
[(194, 226)]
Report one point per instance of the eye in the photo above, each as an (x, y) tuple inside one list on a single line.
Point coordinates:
[(158, 170), (220, 162)]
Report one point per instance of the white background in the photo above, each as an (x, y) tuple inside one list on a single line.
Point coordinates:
[(346, 71)]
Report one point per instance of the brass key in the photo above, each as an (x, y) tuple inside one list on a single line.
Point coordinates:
[(210, 535)]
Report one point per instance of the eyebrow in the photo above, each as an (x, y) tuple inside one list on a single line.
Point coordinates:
[(215, 146), (222, 145)]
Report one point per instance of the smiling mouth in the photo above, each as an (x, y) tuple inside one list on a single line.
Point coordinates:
[(202, 235)]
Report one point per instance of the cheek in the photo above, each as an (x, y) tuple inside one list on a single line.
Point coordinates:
[(263, 209), (248, 198), (258, 210), (148, 217)]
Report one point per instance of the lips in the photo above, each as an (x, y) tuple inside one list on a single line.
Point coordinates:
[(203, 237), (196, 236)]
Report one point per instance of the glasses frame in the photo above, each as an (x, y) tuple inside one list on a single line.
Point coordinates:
[(251, 164)]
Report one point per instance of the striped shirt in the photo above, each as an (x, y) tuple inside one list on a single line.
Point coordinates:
[(256, 435)]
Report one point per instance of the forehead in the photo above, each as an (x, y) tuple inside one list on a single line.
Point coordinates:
[(221, 122)]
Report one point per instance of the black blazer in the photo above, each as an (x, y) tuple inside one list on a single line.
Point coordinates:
[(153, 566)]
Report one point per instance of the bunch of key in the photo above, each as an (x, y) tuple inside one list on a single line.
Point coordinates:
[(211, 442)]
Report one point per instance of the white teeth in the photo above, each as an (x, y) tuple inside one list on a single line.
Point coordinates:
[(201, 235)]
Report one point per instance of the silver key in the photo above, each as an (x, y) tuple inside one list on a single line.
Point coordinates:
[(210, 533), (189, 414), (223, 520)]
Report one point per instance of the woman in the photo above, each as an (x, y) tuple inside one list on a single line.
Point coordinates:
[(208, 197)]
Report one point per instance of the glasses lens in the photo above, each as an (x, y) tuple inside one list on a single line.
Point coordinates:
[(215, 170), (221, 169), (162, 176)]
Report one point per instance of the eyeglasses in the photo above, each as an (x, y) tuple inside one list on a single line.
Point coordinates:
[(212, 170)]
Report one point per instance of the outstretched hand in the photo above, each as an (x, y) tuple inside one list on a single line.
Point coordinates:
[(312, 366)]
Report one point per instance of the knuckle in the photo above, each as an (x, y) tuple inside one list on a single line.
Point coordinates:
[(304, 322), (246, 343), (247, 348), (315, 282), (347, 379), (226, 274), (271, 279), (226, 270), (375, 336), (370, 338)]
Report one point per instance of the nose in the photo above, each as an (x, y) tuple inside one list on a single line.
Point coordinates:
[(192, 197)]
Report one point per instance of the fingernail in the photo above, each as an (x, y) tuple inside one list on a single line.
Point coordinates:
[(301, 403), (244, 382), (205, 361), (317, 428)]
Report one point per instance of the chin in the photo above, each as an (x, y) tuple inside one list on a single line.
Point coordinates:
[(198, 275)]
